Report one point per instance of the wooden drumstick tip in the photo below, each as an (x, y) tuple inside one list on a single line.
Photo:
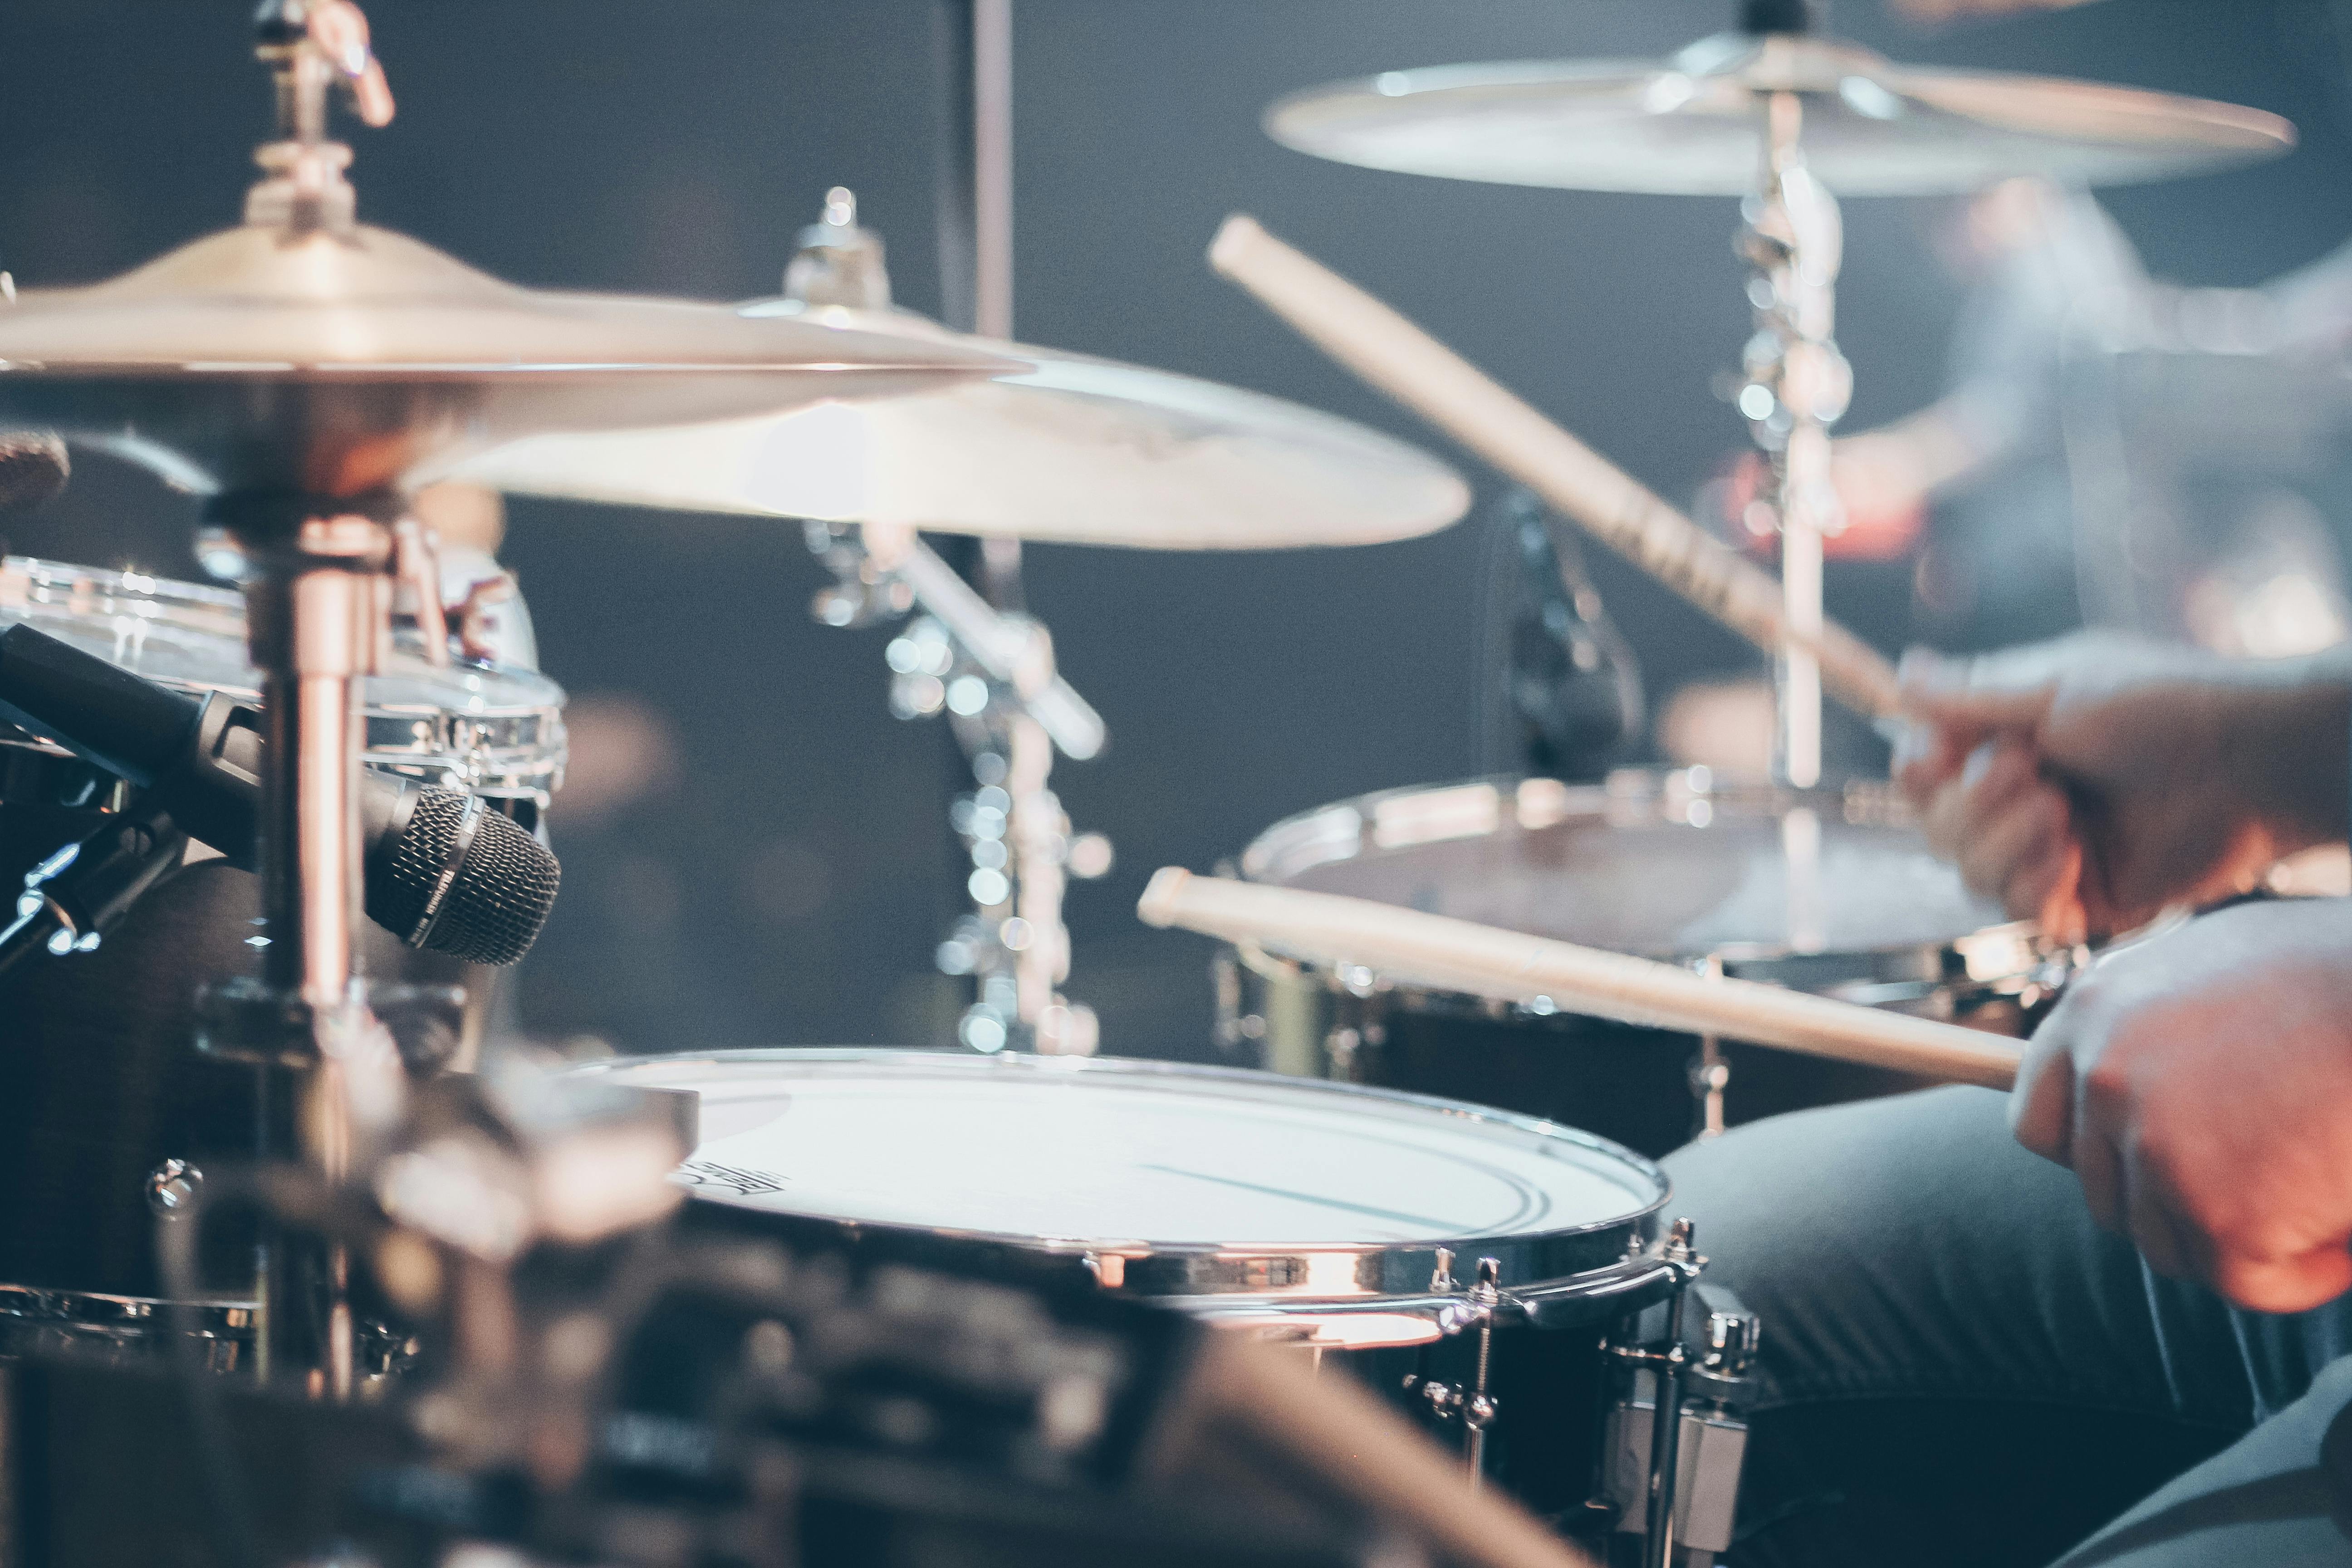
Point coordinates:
[(1158, 905), (1237, 231)]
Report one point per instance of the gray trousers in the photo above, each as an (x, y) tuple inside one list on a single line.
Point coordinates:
[(1958, 1367)]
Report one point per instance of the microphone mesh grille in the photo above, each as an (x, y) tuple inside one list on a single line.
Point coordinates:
[(500, 899)]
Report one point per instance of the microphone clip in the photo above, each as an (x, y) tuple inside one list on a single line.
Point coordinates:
[(77, 895)]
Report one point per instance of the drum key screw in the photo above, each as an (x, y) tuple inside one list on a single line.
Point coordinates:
[(1475, 1408), (1480, 1410)]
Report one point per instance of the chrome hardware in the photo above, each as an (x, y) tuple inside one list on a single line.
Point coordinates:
[(1710, 1075), (172, 1186), (126, 1330), (312, 46), (1794, 385), (1732, 1339), (1673, 1440), (1479, 1412), (417, 594), (1711, 1448), (838, 262), (1237, 1031), (1469, 1403), (993, 673)]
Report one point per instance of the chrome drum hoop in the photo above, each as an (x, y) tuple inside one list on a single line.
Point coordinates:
[(515, 754), (1562, 1268), (140, 1330), (37, 1320), (490, 730)]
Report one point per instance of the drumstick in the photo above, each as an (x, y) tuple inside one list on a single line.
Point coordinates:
[(1397, 357), (1265, 1408), (1511, 966)]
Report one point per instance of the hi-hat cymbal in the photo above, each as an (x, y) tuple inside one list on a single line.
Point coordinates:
[(1076, 449), (340, 361), (1694, 125)]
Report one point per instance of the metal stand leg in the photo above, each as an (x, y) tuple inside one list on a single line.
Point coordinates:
[(318, 609), (1798, 387), (1710, 1075), (1673, 1446), (1666, 1422)]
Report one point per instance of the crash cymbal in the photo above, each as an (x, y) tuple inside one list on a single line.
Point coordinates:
[(1694, 124), (336, 361), (1076, 449)]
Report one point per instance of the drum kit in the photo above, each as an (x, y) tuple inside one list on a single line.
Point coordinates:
[(926, 1305)]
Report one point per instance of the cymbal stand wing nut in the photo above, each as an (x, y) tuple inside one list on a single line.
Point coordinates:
[(312, 46)]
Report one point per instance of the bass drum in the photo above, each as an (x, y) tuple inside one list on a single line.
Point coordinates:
[(108, 1114), (1829, 891)]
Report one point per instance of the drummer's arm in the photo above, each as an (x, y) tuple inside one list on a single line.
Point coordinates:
[(2094, 780)]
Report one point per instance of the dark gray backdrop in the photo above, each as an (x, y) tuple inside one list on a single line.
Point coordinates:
[(787, 883)]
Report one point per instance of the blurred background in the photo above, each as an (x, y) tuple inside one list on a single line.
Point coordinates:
[(755, 851)]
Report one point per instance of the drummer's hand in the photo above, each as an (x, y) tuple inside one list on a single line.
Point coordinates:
[(2090, 781), (2197, 1083)]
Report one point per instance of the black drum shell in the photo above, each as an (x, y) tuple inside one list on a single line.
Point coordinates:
[(1553, 1386), (101, 1081)]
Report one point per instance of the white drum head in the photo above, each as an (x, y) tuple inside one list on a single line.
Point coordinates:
[(1131, 1156)]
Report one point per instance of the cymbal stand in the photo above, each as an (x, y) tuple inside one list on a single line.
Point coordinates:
[(993, 673), (1797, 386), (318, 603)]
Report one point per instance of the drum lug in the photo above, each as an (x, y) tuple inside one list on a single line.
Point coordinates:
[(1674, 1445), (1469, 1403)]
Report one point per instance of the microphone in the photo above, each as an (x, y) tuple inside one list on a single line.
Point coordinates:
[(442, 871)]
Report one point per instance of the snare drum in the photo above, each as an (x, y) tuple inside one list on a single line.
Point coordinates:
[(1830, 891), (1350, 1221), (106, 1113)]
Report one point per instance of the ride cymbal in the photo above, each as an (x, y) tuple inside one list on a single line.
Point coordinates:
[(1694, 124)]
